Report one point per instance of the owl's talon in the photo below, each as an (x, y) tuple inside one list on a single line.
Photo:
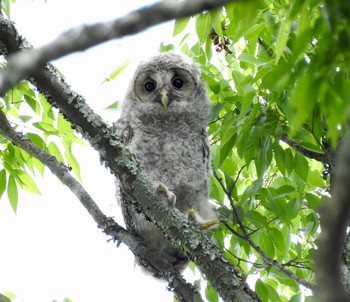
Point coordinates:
[(170, 196), (191, 214), (209, 223), (204, 225)]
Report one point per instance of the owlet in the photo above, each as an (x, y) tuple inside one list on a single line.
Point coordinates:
[(163, 123)]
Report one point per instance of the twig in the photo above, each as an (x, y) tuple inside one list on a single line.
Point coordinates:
[(236, 179), (308, 153)]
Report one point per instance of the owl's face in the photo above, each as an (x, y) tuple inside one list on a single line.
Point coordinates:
[(165, 86)]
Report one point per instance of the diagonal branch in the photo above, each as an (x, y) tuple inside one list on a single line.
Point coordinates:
[(81, 38), (321, 157), (182, 289), (62, 173)]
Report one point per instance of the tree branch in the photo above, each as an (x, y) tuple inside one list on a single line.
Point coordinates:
[(182, 289), (247, 238), (306, 152), (62, 173), (334, 224), (81, 38)]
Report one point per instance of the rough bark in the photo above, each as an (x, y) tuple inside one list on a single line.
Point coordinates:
[(331, 272)]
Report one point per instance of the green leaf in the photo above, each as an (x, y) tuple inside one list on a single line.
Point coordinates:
[(6, 7), (25, 118), (282, 38), (63, 125), (292, 209), (36, 139), (216, 191), (46, 128), (289, 160), (28, 183), (303, 101), (33, 103), (180, 25), (256, 218), (284, 191), (114, 74), (72, 162), (216, 18), (313, 200), (279, 242), (55, 151), (203, 27), (166, 47), (2, 182), (263, 240), (12, 192), (211, 294), (296, 298), (262, 290), (112, 106), (301, 166)]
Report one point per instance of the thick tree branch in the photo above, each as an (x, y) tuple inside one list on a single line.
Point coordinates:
[(334, 224), (25, 63), (247, 238)]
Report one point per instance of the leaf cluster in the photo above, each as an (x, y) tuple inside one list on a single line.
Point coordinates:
[(31, 114), (280, 94)]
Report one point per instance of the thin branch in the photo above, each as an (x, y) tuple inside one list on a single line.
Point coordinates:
[(23, 64), (321, 157), (62, 173), (247, 238), (263, 45), (236, 179)]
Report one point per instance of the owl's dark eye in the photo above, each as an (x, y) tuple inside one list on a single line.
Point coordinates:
[(150, 85), (177, 82)]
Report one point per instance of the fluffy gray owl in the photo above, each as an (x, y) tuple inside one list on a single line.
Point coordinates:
[(163, 121)]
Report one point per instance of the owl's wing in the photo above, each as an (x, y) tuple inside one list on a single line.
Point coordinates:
[(206, 152), (123, 130)]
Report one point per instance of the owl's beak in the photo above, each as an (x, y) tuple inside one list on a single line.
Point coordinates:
[(164, 93)]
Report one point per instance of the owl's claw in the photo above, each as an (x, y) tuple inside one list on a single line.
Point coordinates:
[(170, 196), (204, 225)]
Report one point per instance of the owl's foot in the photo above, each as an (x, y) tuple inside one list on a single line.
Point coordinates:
[(204, 225), (170, 196)]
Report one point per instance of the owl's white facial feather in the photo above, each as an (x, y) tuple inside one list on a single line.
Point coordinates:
[(164, 86), (167, 89)]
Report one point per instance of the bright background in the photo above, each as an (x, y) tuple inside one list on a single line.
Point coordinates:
[(52, 248)]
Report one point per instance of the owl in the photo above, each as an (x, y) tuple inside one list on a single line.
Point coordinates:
[(163, 123)]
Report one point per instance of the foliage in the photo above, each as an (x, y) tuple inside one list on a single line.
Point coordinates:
[(30, 113), (278, 80)]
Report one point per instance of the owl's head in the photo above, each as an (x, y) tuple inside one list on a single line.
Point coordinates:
[(167, 83)]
